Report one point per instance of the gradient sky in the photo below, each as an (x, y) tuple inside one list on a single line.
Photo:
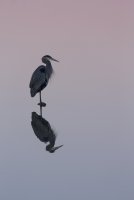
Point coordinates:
[(90, 100)]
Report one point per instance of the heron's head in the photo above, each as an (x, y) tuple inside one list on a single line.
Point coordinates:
[(52, 149), (47, 57)]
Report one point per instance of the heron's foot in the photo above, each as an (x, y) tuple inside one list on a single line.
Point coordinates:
[(42, 104)]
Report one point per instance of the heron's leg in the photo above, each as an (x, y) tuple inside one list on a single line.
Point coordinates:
[(40, 104), (40, 97)]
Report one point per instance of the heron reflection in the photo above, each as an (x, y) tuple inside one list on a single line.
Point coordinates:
[(44, 132)]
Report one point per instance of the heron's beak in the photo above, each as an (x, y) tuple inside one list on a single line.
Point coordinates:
[(54, 60), (55, 148)]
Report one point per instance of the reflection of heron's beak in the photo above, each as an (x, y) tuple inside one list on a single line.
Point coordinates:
[(55, 148), (54, 59)]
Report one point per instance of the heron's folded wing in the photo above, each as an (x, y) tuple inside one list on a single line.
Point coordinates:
[(40, 130), (38, 77)]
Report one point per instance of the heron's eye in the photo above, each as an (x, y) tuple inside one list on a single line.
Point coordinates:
[(49, 57)]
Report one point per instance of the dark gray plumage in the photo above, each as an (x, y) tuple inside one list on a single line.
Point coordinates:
[(44, 132), (39, 80), (40, 77)]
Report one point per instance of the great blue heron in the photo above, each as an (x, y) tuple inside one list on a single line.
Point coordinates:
[(44, 132), (40, 78)]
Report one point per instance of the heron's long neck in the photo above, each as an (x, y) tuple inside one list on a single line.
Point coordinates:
[(49, 69), (49, 147), (51, 140)]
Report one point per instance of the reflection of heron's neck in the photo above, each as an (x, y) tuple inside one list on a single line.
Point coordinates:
[(49, 147), (49, 69)]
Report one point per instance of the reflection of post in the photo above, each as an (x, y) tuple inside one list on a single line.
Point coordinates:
[(44, 132)]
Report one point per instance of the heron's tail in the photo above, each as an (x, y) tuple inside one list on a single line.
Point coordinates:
[(33, 93)]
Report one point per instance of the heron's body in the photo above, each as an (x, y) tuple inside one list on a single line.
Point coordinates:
[(40, 78), (42, 129)]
